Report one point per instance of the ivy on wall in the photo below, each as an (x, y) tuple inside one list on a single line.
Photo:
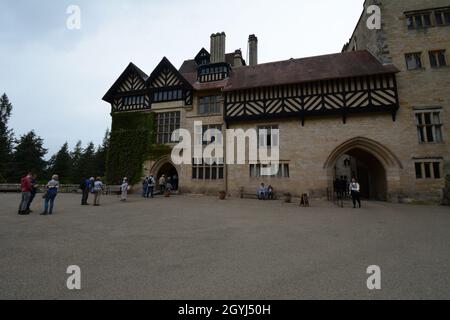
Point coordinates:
[(133, 141)]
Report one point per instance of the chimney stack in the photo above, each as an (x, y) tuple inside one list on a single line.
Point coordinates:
[(237, 62), (253, 50), (218, 42)]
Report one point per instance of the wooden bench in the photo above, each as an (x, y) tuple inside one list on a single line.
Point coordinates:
[(113, 190), (246, 194)]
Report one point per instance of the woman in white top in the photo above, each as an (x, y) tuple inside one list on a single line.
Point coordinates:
[(98, 190), (355, 190), (124, 189)]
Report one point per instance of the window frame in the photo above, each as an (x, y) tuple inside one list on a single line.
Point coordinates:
[(176, 94), (269, 129), (436, 55), (431, 132), (207, 172), (209, 109), (166, 124), (417, 57), (428, 169), (283, 172)]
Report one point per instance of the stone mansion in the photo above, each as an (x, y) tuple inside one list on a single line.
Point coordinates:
[(378, 111)]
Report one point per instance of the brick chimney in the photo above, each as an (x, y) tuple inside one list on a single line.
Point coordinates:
[(253, 50)]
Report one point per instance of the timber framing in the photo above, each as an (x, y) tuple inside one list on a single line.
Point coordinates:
[(342, 97)]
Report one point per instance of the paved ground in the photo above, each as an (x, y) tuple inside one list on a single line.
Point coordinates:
[(193, 247)]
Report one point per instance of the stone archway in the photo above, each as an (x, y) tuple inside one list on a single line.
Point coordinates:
[(164, 166), (376, 167)]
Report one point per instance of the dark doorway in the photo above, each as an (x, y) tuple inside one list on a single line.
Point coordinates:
[(171, 175), (369, 172)]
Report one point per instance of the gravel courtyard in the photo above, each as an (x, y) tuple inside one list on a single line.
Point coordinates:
[(196, 247)]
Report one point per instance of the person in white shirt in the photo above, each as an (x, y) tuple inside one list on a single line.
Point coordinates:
[(98, 190), (355, 190), (124, 189)]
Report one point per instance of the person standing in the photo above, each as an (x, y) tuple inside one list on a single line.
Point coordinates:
[(355, 190), (124, 189), (25, 186), (86, 187), (145, 188), (175, 182), (50, 195), (34, 188), (151, 186), (162, 184), (98, 190)]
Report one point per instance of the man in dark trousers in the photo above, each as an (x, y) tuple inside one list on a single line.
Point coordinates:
[(25, 185), (355, 190), (34, 188), (86, 186)]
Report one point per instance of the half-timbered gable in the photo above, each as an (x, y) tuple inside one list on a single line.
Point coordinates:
[(167, 84), (129, 92)]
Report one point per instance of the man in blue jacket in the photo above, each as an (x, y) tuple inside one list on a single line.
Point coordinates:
[(86, 187)]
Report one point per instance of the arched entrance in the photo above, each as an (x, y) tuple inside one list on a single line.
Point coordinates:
[(170, 173), (375, 167), (165, 167)]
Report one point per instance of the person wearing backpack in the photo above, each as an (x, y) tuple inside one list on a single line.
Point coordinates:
[(98, 190), (151, 186)]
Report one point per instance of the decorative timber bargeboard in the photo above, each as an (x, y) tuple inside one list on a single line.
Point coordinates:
[(365, 94)]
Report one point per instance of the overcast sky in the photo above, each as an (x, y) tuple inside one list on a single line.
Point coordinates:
[(56, 77)]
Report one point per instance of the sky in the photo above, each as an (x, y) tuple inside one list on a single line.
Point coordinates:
[(56, 77)]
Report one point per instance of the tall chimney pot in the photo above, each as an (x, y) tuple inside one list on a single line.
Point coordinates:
[(253, 50), (218, 42)]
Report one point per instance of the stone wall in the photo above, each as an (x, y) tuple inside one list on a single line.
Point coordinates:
[(418, 89)]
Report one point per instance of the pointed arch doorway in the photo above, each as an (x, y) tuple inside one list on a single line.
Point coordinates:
[(164, 166), (375, 166)]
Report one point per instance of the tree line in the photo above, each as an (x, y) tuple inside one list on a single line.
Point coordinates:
[(24, 154)]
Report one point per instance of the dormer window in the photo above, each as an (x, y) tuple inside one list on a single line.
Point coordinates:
[(213, 72)]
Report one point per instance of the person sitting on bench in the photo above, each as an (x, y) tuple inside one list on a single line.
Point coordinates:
[(262, 192), (270, 193)]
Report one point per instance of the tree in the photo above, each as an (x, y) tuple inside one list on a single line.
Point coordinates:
[(61, 164), (76, 154), (87, 162), (28, 156), (6, 138), (100, 155), (84, 164)]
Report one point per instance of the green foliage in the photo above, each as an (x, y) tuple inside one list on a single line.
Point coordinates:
[(101, 155), (28, 156), (6, 138), (133, 141), (61, 164)]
